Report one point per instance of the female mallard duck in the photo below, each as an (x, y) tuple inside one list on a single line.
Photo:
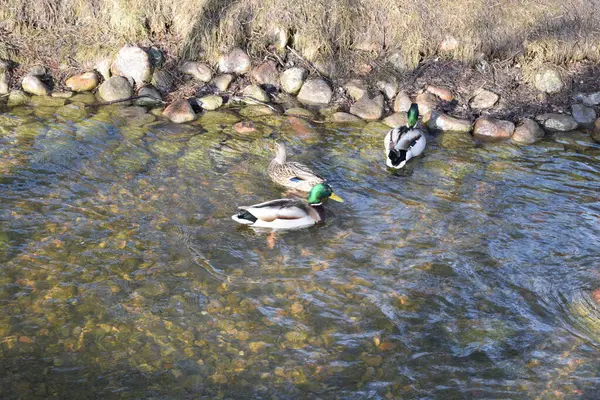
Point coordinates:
[(292, 175), (404, 142), (288, 213)]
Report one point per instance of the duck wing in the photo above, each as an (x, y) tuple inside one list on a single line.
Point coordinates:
[(302, 172), (287, 209)]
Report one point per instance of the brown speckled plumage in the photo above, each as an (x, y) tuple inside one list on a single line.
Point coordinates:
[(283, 172)]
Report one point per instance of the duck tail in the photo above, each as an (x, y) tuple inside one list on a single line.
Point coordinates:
[(244, 217), (397, 156)]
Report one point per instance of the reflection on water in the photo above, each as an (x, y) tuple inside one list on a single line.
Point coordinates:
[(467, 275)]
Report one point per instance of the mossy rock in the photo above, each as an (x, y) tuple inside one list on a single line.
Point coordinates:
[(216, 118), (300, 112), (204, 140), (256, 111), (194, 160), (13, 119), (164, 148), (72, 112), (47, 101), (44, 112), (454, 140), (30, 130), (85, 98), (130, 159), (133, 132), (378, 129)]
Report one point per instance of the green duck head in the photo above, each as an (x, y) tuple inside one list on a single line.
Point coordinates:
[(320, 192), (413, 115)]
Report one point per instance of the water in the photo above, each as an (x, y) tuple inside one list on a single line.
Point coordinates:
[(467, 275)]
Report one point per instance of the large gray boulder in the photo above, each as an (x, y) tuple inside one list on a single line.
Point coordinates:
[(315, 92), (292, 79), (134, 64), (236, 61), (115, 88)]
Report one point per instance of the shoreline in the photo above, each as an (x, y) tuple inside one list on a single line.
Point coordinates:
[(491, 101)]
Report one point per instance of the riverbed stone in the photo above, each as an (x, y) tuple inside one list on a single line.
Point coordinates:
[(493, 129), (83, 82), (342, 117), (356, 89), (292, 79), (236, 61), (427, 102), (299, 112), (115, 88), (388, 86), (315, 92), (17, 98), (583, 115), (444, 122), (528, 132), (179, 111), (37, 70), (33, 84), (134, 64), (255, 92), (266, 73), (577, 141), (484, 99), (222, 81), (557, 122), (152, 97), (47, 101), (197, 70), (548, 80), (396, 119), (103, 67), (589, 99), (72, 111), (4, 77), (440, 92), (367, 108), (402, 102), (211, 102)]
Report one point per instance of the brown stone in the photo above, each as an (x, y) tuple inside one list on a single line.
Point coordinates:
[(244, 127), (180, 111), (440, 92), (83, 82), (493, 129), (266, 73)]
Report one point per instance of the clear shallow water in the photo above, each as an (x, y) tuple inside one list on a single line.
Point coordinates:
[(466, 276)]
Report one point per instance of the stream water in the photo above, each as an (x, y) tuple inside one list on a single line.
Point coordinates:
[(467, 275)]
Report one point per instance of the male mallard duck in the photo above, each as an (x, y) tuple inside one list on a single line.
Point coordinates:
[(404, 142), (292, 175), (288, 213)]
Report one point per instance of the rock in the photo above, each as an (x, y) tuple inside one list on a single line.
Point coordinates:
[(493, 129), (47, 101), (577, 141), (315, 92), (179, 111), (444, 122), (115, 88), (299, 112), (255, 92), (356, 89), (596, 131), (153, 97), (103, 67), (17, 98), (368, 109), (72, 111), (427, 102), (85, 98), (244, 127), (398, 61), (4, 78), (557, 122), (583, 115), (266, 74), (292, 79), (134, 64), (34, 85), (277, 37), (62, 95), (222, 82), (37, 70), (389, 87), (450, 43), (396, 119), (342, 117), (199, 71), (157, 57), (211, 102), (589, 99), (528, 132), (548, 80), (162, 80), (440, 92), (484, 99), (253, 111), (83, 82), (236, 61), (402, 102)]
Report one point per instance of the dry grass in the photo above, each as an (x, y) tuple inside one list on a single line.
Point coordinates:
[(323, 31)]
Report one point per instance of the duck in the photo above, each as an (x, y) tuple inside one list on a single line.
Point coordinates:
[(288, 213), (293, 175), (404, 142)]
